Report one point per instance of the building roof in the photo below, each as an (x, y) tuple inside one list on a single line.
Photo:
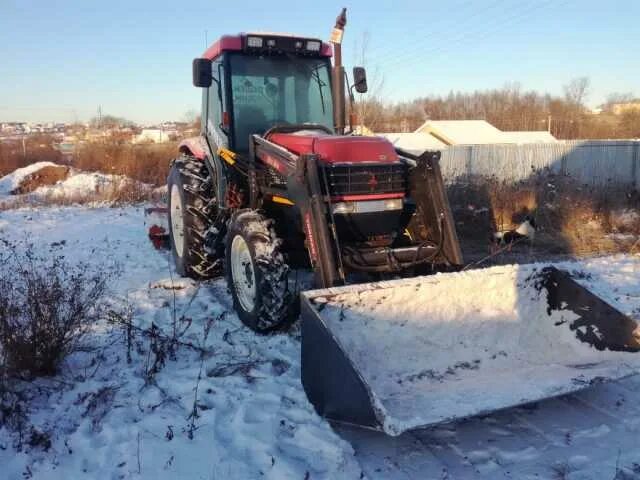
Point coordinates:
[(462, 132), (415, 142), (529, 137), (479, 132)]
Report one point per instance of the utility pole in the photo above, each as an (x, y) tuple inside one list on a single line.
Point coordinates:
[(549, 124)]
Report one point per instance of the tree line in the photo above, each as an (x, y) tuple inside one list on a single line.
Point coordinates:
[(508, 108)]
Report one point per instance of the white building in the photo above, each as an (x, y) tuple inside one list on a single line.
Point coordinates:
[(415, 142), (153, 135), (479, 132)]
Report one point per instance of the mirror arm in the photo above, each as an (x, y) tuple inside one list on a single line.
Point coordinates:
[(351, 100)]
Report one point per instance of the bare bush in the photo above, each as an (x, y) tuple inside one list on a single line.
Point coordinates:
[(47, 306)]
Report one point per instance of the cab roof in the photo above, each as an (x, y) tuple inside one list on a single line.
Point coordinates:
[(238, 43)]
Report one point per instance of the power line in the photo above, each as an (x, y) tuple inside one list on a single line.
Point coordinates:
[(392, 52), (475, 35)]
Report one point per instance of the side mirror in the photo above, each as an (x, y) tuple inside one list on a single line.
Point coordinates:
[(360, 79), (202, 72)]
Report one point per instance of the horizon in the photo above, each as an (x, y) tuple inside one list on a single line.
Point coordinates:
[(416, 49)]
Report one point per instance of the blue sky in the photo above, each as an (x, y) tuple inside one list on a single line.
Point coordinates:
[(60, 59)]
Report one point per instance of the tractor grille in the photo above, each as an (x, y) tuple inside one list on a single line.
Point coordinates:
[(365, 179)]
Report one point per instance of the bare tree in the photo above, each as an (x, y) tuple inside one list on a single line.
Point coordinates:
[(369, 107), (577, 91)]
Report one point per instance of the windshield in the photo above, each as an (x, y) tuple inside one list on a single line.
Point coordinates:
[(267, 91)]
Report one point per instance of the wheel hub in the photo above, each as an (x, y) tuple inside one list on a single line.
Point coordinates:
[(177, 220), (243, 273)]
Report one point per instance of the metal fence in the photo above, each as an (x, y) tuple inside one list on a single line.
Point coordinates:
[(588, 162)]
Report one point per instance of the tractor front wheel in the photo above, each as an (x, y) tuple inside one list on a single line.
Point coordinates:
[(257, 273)]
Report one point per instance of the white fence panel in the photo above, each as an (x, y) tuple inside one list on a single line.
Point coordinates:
[(592, 162)]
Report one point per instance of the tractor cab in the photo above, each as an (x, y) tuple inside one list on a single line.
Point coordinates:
[(253, 82)]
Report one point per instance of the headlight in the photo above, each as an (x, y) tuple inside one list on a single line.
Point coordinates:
[(254, 42), (367, 206), (343, 208), (393, 204)]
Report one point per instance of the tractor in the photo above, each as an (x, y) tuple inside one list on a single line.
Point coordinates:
[(278, 184), (274, 184)]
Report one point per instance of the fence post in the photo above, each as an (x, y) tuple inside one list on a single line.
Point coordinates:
[(634, 164), (468, 160)]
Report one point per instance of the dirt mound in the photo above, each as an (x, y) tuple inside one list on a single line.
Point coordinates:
[(48, 175)]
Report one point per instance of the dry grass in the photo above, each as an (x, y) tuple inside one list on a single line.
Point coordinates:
[(148, 163), (571, 218), (37, 148), (145, 163)]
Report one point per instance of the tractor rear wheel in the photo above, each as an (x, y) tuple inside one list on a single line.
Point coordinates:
[(192, 209), (256, 272)]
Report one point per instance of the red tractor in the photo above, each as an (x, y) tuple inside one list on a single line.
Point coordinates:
[(274, 185)]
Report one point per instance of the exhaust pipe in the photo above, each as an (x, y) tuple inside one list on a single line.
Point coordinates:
[(337, 73)]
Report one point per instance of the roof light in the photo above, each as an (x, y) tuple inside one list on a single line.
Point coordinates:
[(313, 45), (254, 42)]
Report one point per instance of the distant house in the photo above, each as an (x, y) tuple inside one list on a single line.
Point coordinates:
[(479, 132), (154, 135), (620, 108), (462, 132), (415, 142)]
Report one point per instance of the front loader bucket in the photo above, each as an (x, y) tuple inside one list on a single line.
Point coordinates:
[(406, 354)]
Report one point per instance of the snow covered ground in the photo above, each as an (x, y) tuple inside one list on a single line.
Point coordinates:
[(77, 187), (106, 419), (13, 180)]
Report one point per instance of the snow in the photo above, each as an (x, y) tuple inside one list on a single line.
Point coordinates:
[(462, 335), (106, 421), (463, 132), (416, 143), (81, 184), (257, 422), (13, 180)]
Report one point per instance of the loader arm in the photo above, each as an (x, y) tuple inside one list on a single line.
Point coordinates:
[(426, 187), (303, 186)]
